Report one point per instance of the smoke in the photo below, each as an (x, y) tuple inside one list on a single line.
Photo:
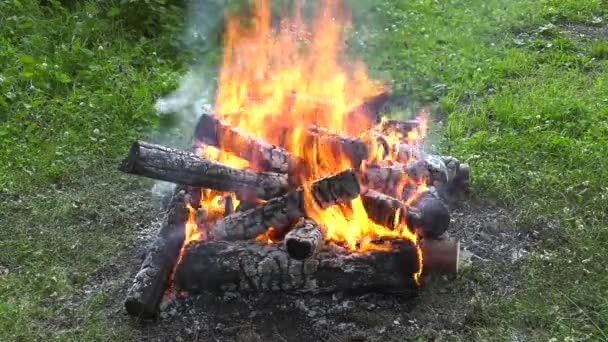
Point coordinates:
[(188, 100), (196, 88)]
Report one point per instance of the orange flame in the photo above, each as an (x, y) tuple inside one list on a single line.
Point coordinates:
[(277, 83)]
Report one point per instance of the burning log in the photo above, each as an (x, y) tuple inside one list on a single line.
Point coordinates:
[(187, 168), (217, 266), (383, 178), (429, 215), (365, 115), (228, 205), (263, 156), (354, 149), (304, 239), (383, 209), (432, 170), (267, 157), (247, 201), (402, 127), (151, 282), (281, 212)]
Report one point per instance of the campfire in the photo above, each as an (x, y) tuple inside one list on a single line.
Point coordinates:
[(295, 182)]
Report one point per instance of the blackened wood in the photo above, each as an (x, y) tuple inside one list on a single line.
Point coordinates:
[(430, 168), (378, 145), (152, 280), (384, 178), (383, 209), (263, 156), (304, 239), (402, 127), (390, 178), (228, 205), (248, 266), (405, 153), (247, 201), (282, 212), (187, 168), (365, 115), (462, 178), (429, 216), (340, 146), (452, 165)]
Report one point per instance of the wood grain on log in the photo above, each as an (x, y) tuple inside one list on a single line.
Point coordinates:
[(151, 282), (263, 156), (383, 209), (217, 266), (339, 146), (281, 212), (304, 239), (187, 168), (384, 178)]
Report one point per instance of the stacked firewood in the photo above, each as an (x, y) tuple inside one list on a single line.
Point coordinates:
[(296, 256)]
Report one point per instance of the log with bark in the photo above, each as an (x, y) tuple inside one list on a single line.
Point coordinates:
[(304, 239), (151, 282), (262, 156), (383, 209), (428, 215), (384, 178), (281, 212), (187, 168), (402, 127), (249, 266), (390, 178), (337, 145)]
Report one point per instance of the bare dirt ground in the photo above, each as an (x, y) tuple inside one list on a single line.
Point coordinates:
[(444, 307)]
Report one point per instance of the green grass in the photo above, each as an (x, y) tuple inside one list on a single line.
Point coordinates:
[(525, 103), (76, 85)]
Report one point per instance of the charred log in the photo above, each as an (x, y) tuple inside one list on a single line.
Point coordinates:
[(383, 178), (390, 178), (339, 146), (429, 216), (452, 166), (383, 209), (262, 155), (430, 169), (402, 127), (304, 239), (461, 178), (228, 205), (151, 282), (282, 212), (187, 168), (217, 266)]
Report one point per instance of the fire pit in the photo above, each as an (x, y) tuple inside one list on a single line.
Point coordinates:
[(296, 184)]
